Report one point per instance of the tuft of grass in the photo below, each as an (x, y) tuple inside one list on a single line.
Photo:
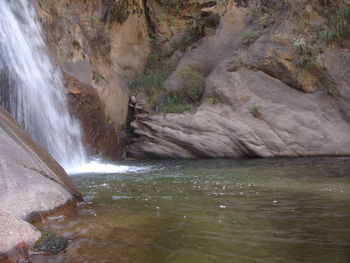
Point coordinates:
[(338, 26), (304, 56), (255, 112), (305, 62)]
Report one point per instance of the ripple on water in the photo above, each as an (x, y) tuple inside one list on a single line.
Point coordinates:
[(277, 211)]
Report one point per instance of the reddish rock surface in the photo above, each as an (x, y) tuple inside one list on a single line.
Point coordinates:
[(100, 136)]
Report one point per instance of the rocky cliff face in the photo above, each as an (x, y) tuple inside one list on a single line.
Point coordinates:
[(206, 78), (276, 83), (30, 181), (98, 45)]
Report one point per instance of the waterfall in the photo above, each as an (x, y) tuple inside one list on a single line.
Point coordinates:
[(31, 89)]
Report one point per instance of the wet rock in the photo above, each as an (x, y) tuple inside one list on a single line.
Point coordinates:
[(51, 243), (30, 182), (100, 136)]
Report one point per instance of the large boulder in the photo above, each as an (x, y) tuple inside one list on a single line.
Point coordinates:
[(31, 182), (257, 116)]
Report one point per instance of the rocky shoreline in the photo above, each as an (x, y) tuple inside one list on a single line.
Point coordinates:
[(32, 183)]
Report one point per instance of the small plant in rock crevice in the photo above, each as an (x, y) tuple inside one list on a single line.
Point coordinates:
[(304, 56), (97, 77), (305, 61), (255, 112)]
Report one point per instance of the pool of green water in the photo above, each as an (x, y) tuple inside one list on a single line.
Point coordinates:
[(212, 211)]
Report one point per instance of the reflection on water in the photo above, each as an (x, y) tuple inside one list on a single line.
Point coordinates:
[(209, 211)]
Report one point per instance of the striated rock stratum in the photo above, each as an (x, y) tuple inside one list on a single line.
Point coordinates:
[(274, 85)]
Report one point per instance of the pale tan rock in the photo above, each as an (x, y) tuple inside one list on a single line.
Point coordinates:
[(210, 50), (291, 123)]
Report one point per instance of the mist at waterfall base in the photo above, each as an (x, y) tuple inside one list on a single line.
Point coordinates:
[(32, 90)]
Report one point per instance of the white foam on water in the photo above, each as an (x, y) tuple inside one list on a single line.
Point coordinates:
[(98, 167)]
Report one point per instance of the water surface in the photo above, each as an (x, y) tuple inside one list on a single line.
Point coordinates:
[(212, 211)]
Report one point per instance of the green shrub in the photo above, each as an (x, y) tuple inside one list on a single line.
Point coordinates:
[(151, 84), (329, 35), (157, 63), (178, 101), (192, 82), (157, 70), (338, 26)]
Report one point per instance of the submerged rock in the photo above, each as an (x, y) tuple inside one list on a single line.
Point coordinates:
[(51, 243), (30, 181)]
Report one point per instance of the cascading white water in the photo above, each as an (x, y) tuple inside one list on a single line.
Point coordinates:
[(32, 89)]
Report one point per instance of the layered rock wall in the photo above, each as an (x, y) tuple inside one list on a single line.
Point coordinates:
[(263, 96)]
